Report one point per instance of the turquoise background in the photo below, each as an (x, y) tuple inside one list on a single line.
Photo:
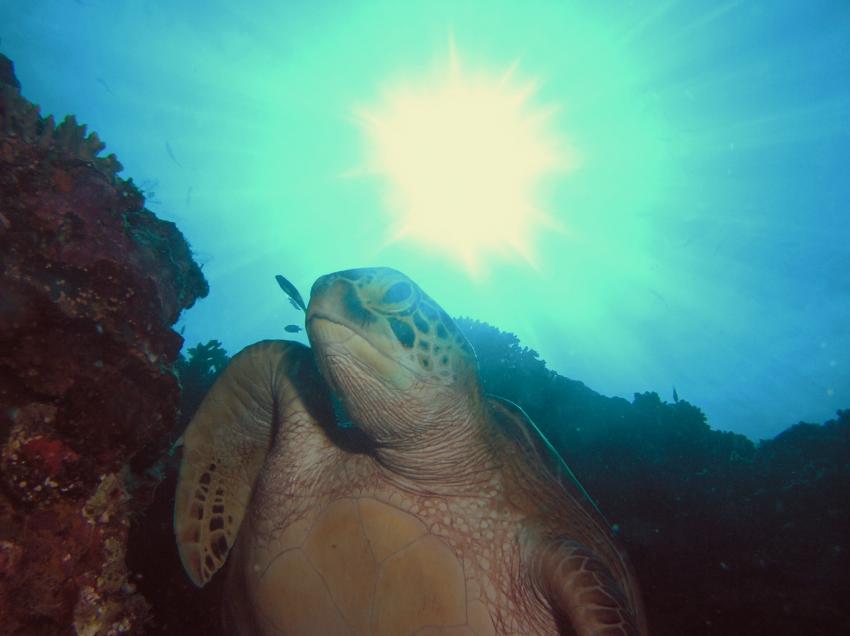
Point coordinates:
[(705, 242)]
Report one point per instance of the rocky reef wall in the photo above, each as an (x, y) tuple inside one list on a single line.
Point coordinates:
[(90, 284)]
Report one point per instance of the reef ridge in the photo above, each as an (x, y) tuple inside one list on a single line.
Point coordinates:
[(91, 283)]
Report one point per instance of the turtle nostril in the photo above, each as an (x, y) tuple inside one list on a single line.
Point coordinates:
[(397, 293), (320, 284)]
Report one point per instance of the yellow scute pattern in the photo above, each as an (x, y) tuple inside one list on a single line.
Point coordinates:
[(366, 567), (420, 585), (388, 528), (337, 546), (293, 597)]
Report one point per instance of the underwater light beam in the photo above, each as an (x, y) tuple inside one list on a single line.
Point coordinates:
[(462, 156)]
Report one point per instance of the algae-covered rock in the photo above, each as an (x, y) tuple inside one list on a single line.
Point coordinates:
[(90, 284)]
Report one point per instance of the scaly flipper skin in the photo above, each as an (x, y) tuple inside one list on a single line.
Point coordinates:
[(582, 591), (586, 577), (226, 444)]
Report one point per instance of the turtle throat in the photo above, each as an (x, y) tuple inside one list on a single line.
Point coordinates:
[(422, 431), (444, 447), (430, 436), (340, 348)]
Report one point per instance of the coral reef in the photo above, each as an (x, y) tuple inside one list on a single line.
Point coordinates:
[(178, 607), (91, 283)]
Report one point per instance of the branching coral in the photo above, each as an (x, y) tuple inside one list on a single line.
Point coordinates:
[(21, 122)]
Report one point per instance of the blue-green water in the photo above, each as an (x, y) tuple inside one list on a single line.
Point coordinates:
[(698, 236)]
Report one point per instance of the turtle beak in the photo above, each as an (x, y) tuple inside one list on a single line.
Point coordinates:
[(318, 296), (323, 304), (340, 328), (333, 297), (338, 347)]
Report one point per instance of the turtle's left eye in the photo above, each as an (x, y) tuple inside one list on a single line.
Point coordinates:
[(397, 293)]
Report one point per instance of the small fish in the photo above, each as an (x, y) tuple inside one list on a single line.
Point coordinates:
[(171, 153), (102, 81), (675, 395), (292, 328), (294, 296)]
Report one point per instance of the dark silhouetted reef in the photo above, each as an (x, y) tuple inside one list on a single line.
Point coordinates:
[(727, 536)]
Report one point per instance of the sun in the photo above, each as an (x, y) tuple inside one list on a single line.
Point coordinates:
[(462, 156)]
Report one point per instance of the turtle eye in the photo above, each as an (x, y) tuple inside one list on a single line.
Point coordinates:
[(397, 293)]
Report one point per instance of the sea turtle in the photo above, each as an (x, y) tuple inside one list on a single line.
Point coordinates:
[(437, 510)]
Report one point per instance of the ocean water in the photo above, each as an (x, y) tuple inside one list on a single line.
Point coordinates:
[(638, 215), (698, 241)]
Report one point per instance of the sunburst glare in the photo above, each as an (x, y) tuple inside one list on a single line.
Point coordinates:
[(462, 154)]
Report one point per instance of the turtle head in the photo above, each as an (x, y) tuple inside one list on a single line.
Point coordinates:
[(394, 357)]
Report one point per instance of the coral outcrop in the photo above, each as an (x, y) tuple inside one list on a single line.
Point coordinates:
[(178, 606), (91, 283)]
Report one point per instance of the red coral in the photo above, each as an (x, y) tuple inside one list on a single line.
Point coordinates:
[(49, 454), (10, 558)]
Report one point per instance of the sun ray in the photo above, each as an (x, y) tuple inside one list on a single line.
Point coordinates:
[(462, 156)]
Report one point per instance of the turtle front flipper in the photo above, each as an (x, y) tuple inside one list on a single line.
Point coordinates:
[(226, 445), (583, 594)]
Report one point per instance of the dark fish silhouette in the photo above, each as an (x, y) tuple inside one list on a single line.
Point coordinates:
[(292, 328), (171, 153), (675, 395), (294, 296), (102, 81)]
